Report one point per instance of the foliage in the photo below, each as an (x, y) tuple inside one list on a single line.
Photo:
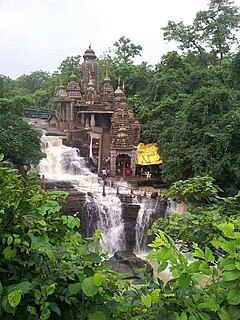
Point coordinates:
[(212, 29), (47, 269), (35, 81), (67, 67), (18, 141), (206, 287), (194, 191), (125, 50), (206, 210)]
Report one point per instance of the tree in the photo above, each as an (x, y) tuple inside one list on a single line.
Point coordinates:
[(36, 80), (125, 50), (6, 85), (18, 141), (212, 29), (67, 67)]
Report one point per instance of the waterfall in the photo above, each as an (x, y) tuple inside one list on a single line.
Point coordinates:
[(105, 214), (148, 208), (64, 163)]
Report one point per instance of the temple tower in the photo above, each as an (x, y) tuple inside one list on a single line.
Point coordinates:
[(89, 70)]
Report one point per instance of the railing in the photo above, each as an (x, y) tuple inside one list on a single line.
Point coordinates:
[(37, 113)]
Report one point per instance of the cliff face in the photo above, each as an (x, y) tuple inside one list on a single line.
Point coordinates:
[(76, 206)]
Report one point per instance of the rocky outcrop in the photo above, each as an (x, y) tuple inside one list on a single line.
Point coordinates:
[(74, 199), (128, 264), (130, 213)]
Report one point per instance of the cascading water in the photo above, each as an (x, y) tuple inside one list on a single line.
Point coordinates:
[(63, 163), (148, 208), (105, 214)]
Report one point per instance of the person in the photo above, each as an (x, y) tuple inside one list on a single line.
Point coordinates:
[(148, 174), (104, 173)]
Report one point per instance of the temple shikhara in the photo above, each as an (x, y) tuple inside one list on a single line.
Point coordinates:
[(98, 120)]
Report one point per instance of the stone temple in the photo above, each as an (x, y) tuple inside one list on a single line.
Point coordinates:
[(98, 120)]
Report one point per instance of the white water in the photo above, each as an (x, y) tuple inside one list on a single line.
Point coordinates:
[(104, 213), (144, 220)]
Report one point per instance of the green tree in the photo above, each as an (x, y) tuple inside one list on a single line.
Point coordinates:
[(67, 67), (36, 80), (125, 50), (18, 141), (212, 29), (6, 85)]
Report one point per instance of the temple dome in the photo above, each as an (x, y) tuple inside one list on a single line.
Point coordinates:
[(61, 93), (73, 88), (89, 54), (119, 95)]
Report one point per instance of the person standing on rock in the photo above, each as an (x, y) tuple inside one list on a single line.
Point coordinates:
[(104, 174)]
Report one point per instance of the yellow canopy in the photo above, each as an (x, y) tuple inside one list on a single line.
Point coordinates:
[(148, 154)]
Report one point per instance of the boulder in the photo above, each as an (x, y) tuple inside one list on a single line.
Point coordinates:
[(128, 264)]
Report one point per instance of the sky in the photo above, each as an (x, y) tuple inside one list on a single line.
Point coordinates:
[(40, 34)]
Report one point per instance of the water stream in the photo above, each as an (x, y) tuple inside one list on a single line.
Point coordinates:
[(101, 212), (64, 163)]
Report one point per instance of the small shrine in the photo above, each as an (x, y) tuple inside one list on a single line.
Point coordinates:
[(98, 120)]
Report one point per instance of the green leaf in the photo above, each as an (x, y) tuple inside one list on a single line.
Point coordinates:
[(54, 307), (194, 266), (71, 222), (209, 305), (37, 295), (42, 223), (223, 314), (234, 311), (14, 298), (146, 300), (98, 315), (51, 289), (93, 257), (182, 316), (208, 255), (88, 287), (155, 296), (46, 313), (9, 253), (74, 288), (233, 296), (1, 288), (184, 280), (198, 252), (204, 267), (231, 275), (162, 266), (32, 310), (98, 279), (227, 229), (9, 240)]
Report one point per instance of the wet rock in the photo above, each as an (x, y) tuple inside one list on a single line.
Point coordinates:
[(128, 264), (130, 213), (154, 195)]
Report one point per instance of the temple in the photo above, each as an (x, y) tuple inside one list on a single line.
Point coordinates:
[(98, 120)]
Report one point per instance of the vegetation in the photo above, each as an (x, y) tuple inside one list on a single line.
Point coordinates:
[(189, 104), (47, 268), (48, 271), (19, 142)]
